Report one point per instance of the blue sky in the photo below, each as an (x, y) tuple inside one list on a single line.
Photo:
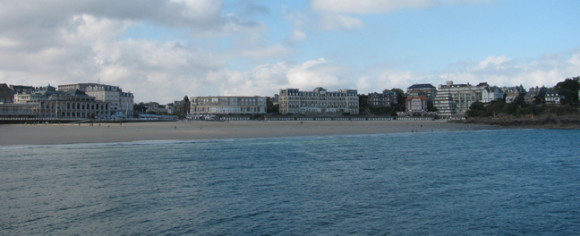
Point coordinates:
[(162, 50)]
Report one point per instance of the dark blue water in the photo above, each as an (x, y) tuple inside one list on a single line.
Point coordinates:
[(508, 182)]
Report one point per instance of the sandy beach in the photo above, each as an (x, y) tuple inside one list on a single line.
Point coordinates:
[(42, 134)]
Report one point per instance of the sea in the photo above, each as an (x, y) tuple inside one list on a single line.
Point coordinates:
[(487, 182)]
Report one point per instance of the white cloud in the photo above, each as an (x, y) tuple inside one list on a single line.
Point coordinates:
[(502, 71), (263, 52), (313, 73), (8, 43), (380, 6), (496, 61), (575, 59), (298, 35), (330, 21)]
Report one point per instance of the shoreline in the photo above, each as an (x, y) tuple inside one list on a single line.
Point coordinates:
[(51, 134), (543, 122)]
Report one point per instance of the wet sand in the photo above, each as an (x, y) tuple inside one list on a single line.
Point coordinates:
[(45, 134)]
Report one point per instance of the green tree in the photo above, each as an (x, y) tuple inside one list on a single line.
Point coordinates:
[(401, 97), (569, 89), (477, 109), (270, 107), (139, 108)]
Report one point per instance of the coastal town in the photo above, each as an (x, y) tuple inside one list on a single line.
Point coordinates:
[(95, 101)]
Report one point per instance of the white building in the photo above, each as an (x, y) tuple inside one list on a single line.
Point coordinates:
[(446, 107), (121, 103), (227, 105), (72, 104), (462, 95), (416, 104), (489, 94), (294, 101), (552, 97)]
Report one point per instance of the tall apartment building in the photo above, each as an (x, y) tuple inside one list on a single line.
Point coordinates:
[(294, 101), (444, 104), (224, 105), (121, 103), (462, 95)]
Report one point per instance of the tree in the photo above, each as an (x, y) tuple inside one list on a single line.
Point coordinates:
[(139, 108), (477, 109), (401, 97), (270, 107), (182, 108), (569, 89), (185, 106)]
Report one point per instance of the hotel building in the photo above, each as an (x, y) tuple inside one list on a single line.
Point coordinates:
[(293, 101), (121, 103), (72, 104), (461, 95), (225, 105)]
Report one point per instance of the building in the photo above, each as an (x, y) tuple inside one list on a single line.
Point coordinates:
[(72, 104), (489, 93), (512, 93), (121, 103), (385, 99), (17, 110), (535, 95), (6, 94), (228, 105), (552, 97), (319, 101), (422, 90), (22, 89), (416, 104), (461, 95), (446, 107)]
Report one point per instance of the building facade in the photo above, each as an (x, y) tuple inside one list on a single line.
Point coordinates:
[(446, 107), (489, 94), (552, 97), (227, 105), (422, 90), (72, 104), (121, 103), (318, 101), (416, 104), (385, 99), (512, 93), (463, 95), (17, 110)]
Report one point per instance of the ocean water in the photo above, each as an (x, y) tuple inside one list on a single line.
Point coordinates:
[(506, 182)]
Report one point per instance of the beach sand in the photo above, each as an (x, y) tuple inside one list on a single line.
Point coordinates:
[(44, 134)]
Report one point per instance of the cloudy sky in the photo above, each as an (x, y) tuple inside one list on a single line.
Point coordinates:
[(162, 50)]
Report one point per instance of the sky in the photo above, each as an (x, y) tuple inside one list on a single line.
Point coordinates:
[(163, 50)]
